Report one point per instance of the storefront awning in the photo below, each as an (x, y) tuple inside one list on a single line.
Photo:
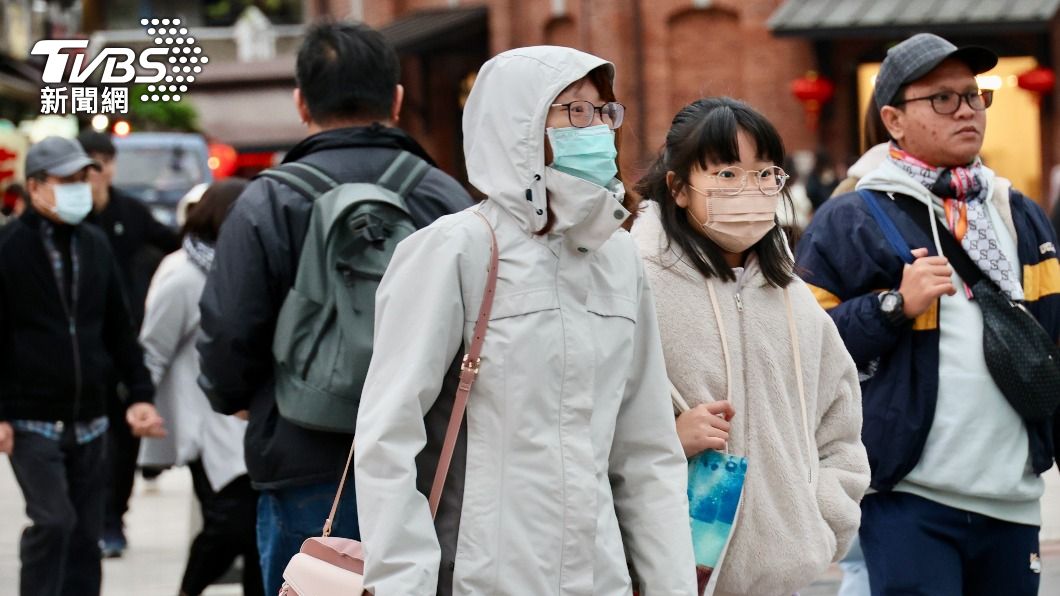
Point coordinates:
[(259, 118), (887, 18), (426, 30)]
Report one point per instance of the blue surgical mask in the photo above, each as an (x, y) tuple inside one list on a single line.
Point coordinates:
[(588, 153), (73, 202)]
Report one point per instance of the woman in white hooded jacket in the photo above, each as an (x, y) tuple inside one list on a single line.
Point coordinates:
[(569, 463), (748, 348)]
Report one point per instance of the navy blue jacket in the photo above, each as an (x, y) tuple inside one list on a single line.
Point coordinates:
[(846, 260)]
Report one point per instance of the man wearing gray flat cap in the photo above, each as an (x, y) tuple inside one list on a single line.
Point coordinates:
[(64, 326), (955, 449)]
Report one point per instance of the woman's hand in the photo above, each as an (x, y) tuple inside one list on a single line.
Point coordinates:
[(705, 427)]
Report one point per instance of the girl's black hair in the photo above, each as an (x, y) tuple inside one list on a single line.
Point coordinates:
[(705, 132)]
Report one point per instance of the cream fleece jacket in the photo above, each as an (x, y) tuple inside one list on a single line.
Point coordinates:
[(800, 510)]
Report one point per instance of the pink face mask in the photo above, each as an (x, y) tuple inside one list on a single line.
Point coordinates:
[(738, 222)]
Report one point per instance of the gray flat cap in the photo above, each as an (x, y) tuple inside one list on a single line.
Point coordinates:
[(57, 156), (919, 55)]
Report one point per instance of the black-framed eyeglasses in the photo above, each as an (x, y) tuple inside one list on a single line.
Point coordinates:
[(948, 102), (582, 112)]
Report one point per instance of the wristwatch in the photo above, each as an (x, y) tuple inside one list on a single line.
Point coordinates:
[(891, 305)]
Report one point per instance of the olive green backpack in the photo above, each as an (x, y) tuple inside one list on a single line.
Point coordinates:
[(323, 340)]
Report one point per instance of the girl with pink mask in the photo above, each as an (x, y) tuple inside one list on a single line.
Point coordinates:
[(757, 367)]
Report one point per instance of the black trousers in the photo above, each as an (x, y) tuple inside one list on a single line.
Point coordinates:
[(62, 483), (123, 450), (228, 530)]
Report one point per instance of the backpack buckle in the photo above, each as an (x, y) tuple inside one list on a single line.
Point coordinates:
[(372, 229)]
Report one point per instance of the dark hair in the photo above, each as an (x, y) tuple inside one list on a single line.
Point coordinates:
[(96, 142), (205, 217), (600, 77), (874, 130), (705, 131), (347, 71)]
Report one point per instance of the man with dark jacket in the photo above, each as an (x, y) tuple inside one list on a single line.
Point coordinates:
[(138, 242), (64, 326), (349, 97), (955, 468)]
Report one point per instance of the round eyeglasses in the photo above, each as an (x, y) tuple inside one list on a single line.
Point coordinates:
[(732, 180), (581, 113), (948, 102)]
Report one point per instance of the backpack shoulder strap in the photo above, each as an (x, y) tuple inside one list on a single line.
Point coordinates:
[(890, 231), (403, 174), (308, 181)]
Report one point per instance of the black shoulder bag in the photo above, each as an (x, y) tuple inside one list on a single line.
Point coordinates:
[(1023, 360)]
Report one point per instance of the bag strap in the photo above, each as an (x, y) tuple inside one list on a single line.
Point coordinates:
[(890, 231), (402, 174), (951, 248), (308, 181), (796, 353), (468, 372)]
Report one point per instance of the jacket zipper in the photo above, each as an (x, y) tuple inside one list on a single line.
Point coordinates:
[(71, 318)]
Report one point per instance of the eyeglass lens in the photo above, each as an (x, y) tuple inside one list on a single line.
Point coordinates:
[(733, 179), (948, 103), (582, 112)]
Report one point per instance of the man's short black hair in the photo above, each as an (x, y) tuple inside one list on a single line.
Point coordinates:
[(347, 71), (96, 142)]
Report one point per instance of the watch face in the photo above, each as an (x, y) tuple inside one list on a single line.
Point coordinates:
[(889, 303)]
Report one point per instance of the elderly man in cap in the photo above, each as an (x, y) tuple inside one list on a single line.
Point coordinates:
[(955, 469), (64, 326)]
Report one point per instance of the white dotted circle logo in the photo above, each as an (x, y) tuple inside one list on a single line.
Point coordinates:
[(184, 57)]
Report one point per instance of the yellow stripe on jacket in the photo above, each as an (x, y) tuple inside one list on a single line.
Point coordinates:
[(1040, 280)]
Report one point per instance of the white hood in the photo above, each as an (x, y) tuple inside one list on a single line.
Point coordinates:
[(504, 143)]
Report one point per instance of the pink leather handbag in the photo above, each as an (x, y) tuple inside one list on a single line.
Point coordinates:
[(332, 566)]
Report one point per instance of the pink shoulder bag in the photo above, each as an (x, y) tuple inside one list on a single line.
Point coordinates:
[(331, 566)]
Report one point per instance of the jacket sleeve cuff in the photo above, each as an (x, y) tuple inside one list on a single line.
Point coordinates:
[(865, 330)]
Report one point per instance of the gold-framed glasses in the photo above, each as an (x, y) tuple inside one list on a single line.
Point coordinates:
[(733, 180)]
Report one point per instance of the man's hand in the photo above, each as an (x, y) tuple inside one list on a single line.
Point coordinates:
[(7, 438), (705, 427), (144, 421), (924, 281)]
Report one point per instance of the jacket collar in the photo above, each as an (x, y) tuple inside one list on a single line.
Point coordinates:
[(32, 219), (586, 214), (375, 135)]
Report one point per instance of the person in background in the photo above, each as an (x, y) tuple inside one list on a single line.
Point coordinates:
[(64, 325), (14, 203), (875, 144), (138, 241), (822, 179), (211, 444), (350, 98)]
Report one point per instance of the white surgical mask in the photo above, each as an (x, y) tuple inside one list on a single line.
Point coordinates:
[(73, 202)]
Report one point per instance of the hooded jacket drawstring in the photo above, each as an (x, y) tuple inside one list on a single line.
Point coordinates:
[(796, 355)]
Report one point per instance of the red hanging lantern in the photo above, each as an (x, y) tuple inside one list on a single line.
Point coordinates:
[(813, 91), (1039, 80)]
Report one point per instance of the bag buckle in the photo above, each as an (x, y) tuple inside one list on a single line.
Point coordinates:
[(467, 366)]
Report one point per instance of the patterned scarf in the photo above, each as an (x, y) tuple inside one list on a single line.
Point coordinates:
[(199, 251), (963, 191)]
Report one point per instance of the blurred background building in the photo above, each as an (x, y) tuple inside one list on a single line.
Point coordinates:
[(807, 64)]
